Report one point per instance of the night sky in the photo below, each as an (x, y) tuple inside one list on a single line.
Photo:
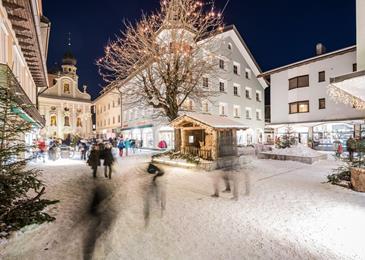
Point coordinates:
[(277, 32)]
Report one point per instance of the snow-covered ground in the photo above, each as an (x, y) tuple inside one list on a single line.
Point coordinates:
[(285, 211), (297, 150)]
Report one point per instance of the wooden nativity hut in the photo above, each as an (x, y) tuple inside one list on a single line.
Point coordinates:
[(210, 137)]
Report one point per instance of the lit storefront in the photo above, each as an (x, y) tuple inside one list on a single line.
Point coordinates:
[(325, 136)]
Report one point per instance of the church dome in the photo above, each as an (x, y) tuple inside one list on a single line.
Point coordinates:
[(69, 59)]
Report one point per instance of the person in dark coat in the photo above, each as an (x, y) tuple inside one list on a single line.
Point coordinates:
[(94, 159), (108, 161)]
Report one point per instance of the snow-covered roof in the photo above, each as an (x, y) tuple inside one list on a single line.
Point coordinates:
[(213, 121)]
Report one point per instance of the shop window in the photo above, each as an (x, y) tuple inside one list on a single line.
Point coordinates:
[(322, 103), (299, 107), (53, 120), (321, 76), (299, 82)]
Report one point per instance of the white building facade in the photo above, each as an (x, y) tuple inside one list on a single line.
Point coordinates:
[(66, 109), (300, 100), (24, 34), (241, 98)]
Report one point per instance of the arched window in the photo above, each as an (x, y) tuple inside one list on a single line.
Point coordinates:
[(79, 123), (53, 120), (67, 121)]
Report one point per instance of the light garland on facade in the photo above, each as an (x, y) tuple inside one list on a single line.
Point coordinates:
[(340, 96)]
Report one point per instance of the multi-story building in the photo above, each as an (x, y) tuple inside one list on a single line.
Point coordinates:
[(24, 33), (300, 100), (67, 110), (241, 98)]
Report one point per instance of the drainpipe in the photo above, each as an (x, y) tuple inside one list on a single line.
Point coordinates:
[(360, 34)]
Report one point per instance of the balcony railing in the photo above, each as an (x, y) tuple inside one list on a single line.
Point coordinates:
[(8, 79)]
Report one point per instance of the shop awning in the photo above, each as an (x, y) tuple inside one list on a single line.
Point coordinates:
[(18, 111)]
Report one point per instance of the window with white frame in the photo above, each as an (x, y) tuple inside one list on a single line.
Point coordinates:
[(205, 107), (258, 114), (248, 93), (236, 68), (205, 82), (258, 96), (236, 90), (222, 87), (248, 73), (223, 109), (248, 113), (236, 111)]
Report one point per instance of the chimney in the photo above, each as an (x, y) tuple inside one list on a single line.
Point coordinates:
[(360, 34), (320, 49)]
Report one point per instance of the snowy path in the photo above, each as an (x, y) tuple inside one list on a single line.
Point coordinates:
[(288, 213)]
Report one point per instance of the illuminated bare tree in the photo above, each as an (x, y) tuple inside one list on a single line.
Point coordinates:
[(161, 61)]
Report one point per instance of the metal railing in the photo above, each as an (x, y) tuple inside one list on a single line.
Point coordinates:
[(9, 80)]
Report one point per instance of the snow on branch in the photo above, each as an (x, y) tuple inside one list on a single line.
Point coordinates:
[(160, 61)]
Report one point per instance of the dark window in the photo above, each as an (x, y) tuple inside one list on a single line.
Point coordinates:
[(354, 67), (221, 86), (248, 95), (235, 69), (299, 82), (299, 107), (321, 76), (221, 64), (235, 91), (248, 74), (205, 82), (258, 98), (229, 46), (322, 103)]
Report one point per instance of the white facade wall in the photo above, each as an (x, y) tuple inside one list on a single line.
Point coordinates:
[(281, 96), (11, 54), (138, 123)]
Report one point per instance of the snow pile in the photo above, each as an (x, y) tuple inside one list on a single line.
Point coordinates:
[(298, 150)]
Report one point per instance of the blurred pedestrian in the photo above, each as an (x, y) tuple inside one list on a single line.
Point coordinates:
[(121, 147), (108, 161), (127, 145), (94, 159), (42, 149)]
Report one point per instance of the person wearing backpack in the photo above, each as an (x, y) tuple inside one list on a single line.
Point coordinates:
[(121, 146)]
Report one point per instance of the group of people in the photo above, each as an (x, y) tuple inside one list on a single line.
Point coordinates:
[(101, 152), (350, 147), (125, 145)]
